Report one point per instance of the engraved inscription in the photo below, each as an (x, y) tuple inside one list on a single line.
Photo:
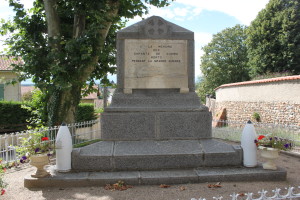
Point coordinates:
[(155, 64)]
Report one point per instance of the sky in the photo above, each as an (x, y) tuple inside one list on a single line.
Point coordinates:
[(203, 17)]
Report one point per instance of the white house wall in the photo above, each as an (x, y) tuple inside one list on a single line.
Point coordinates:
[(11, 92), (267, 92)]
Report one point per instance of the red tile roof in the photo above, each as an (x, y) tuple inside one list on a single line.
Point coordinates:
[(91, 96), (6, 61), (25, 89), (278, 79)]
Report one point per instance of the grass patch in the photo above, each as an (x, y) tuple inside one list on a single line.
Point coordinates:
[(85, 143), (234, 133)]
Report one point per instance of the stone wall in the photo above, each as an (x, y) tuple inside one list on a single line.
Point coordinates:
[(270, 112), (276, 100)]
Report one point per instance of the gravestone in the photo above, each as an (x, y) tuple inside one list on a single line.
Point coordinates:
[(155, 97)]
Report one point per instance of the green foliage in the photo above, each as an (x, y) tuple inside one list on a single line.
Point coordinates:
[(13, 113), (99, 110), (85, 143), (38, 109), (273, 141), (271, 75), (224, 60), (36, 143), (274, 38), (27, 96), (67, 44), (256, 116), (3, 184), (85, 112)]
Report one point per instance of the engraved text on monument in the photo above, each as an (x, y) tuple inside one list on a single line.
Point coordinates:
[(152, 64)]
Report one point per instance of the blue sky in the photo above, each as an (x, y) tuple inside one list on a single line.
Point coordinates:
[(203, 17)]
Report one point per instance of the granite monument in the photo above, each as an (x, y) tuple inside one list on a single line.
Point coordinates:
[(155, 120), (155, 131)]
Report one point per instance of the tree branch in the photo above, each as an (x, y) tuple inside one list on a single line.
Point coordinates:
[(52, 19), (79, 25), (111, 14)]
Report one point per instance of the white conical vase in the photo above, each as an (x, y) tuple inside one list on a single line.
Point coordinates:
[(270, 155), (39, 161)]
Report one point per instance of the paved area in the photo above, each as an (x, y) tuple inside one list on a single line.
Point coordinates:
[(16, 189)]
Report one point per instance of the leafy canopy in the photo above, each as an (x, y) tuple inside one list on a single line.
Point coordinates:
[(274, 38), (224, 60), (66, 44)]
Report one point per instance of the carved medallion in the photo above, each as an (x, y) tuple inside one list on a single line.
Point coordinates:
[(155, 27)]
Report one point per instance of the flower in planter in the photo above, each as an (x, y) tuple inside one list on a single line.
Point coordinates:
[(35, 144), (275, 142)]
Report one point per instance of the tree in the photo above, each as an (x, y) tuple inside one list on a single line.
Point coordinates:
[(274, 38), (65, 43), (224, 60)]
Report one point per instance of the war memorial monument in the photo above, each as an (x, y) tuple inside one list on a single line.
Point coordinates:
[(156, 131)]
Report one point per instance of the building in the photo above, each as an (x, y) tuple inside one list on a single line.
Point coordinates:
[(9, 92)]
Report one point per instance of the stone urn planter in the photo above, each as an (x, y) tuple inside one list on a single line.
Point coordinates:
[(270, 155), (39, 161)]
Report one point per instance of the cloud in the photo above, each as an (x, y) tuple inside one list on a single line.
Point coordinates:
[(244, 10)]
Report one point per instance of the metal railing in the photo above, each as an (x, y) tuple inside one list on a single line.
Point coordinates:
[(90, 130), (263, 195), (80, 132)]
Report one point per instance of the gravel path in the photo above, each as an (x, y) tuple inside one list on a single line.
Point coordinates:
[(16, 190)]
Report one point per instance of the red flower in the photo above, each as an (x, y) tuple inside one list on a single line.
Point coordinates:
[(2, 191), (261, 137), (45, 138)]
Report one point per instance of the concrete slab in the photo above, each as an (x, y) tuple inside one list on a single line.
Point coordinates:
[(167, 147), (240, 174), (180, 176), (218, 154), (89, 158), (153, 155)]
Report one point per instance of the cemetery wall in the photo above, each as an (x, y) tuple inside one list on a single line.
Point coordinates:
[(276, 100)]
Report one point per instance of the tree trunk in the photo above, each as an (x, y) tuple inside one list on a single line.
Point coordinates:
[(62, 105), (63, 102), (53, 25)]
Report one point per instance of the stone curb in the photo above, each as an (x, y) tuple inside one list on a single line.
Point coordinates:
[(199, 175)]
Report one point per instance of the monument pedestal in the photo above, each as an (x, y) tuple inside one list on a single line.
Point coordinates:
[(155, 116), (155, 155)]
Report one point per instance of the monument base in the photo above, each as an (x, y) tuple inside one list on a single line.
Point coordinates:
[(155, 155), (179, 176)]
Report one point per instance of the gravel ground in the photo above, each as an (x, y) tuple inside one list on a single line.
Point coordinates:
[(16, 191)]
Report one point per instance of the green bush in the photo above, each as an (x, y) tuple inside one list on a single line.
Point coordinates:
[(13, 116), (85, 112), (16, 116)]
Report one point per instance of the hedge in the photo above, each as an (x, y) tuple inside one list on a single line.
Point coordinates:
[(13, 116), (85, 112)]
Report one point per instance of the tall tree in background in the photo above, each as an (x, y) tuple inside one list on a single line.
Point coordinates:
[(65, 43), (274, 38), (224, 60)]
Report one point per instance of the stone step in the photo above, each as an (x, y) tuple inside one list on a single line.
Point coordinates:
[(183, 176), (155, 155)]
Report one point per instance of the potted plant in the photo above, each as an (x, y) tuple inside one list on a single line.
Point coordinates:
[(270, 145), (37, 148)]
